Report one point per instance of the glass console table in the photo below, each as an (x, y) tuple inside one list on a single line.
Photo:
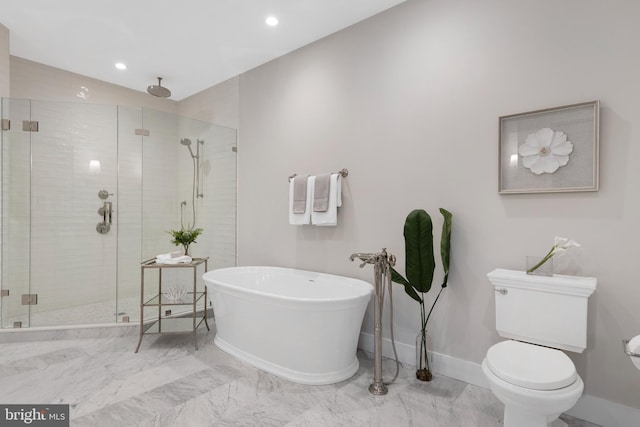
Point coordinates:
[(173, 325)]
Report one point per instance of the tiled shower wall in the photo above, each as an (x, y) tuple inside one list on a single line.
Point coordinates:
[(50, 243)]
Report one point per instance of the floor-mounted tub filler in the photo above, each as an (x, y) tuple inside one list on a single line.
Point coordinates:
[(300, 325), (382, 264)]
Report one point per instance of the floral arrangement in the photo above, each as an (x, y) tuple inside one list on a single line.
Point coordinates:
[(185, 237), (560, 245)]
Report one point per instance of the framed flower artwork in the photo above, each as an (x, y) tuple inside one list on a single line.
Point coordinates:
[(550, 150)]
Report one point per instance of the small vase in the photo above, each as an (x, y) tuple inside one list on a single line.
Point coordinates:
[(544, 269), (186, 250), (423, 353)]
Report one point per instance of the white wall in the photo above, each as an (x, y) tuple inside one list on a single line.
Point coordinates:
[(409, 102)]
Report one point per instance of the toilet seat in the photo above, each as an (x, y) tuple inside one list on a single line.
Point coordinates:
[(531, 366)]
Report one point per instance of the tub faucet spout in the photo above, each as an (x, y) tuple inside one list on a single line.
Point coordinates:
[(365, 257)]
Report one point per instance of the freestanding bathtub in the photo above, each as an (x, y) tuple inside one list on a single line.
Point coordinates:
[(299, 325)]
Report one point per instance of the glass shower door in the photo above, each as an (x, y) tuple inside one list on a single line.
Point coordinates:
[(73, 206), (59, 205), (16, 208)]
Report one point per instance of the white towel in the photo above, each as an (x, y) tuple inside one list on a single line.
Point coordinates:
[(303, 218), (330, 217), (170, 255), (179, 260)]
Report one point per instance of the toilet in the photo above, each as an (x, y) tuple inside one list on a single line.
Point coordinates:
[(541, 317)]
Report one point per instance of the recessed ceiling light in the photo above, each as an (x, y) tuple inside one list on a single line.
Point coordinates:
[(121, 66), (271, 21)]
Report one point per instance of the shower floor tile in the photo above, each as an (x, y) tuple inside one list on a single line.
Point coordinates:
[(169, 383)]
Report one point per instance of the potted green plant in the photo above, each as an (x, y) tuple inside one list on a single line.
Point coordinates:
[(419, 268), (185, 237)]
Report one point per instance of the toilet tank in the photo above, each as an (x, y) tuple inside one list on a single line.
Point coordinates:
[(545, 310)]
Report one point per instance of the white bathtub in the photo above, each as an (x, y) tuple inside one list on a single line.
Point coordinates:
[(299, 325)]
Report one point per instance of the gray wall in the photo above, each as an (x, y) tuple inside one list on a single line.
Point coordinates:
[(409, 102)]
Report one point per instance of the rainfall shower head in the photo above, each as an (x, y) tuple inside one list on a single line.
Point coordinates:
[(158, 90), (187, 142)]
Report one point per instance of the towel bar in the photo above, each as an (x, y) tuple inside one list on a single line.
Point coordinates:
[(342, 172)]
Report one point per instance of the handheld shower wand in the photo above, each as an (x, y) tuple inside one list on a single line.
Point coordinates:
[(187, 143)]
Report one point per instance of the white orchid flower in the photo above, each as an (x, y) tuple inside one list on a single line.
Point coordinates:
[(564, 243), (559, 241), (560, 245)]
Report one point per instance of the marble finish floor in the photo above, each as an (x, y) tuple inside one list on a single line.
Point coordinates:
[(169, 383)]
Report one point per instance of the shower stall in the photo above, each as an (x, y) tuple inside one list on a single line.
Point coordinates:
[(90, 191)]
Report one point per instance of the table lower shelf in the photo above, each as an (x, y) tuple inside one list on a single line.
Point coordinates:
[(188, 299), (178, 325)]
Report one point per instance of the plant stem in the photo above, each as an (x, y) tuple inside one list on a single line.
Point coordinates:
[(432, 306), (423, 334), (545, 259)]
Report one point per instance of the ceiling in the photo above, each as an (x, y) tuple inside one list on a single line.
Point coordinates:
[(192, 44)]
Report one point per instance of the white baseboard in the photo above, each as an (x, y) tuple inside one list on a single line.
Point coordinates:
[(451, 367), (589, 408), (605, 412)]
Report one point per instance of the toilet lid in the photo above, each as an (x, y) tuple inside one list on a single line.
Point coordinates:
[(531, 366)]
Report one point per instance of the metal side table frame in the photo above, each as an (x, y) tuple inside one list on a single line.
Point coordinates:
[(175, 325)]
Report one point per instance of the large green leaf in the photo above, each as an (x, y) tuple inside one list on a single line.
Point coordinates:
[(397, 277), (418, 242), (445, 244)]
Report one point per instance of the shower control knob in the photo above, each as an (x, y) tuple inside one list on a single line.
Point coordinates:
[(103, 228), (104, 194)]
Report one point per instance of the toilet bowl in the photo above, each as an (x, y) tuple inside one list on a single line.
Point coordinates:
[(540, 317), (536, 384)]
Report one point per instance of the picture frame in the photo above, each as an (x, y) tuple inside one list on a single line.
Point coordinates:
[(551, 150)]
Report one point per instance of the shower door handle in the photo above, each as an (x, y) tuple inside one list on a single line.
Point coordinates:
[(107, 212), (107, 215)]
